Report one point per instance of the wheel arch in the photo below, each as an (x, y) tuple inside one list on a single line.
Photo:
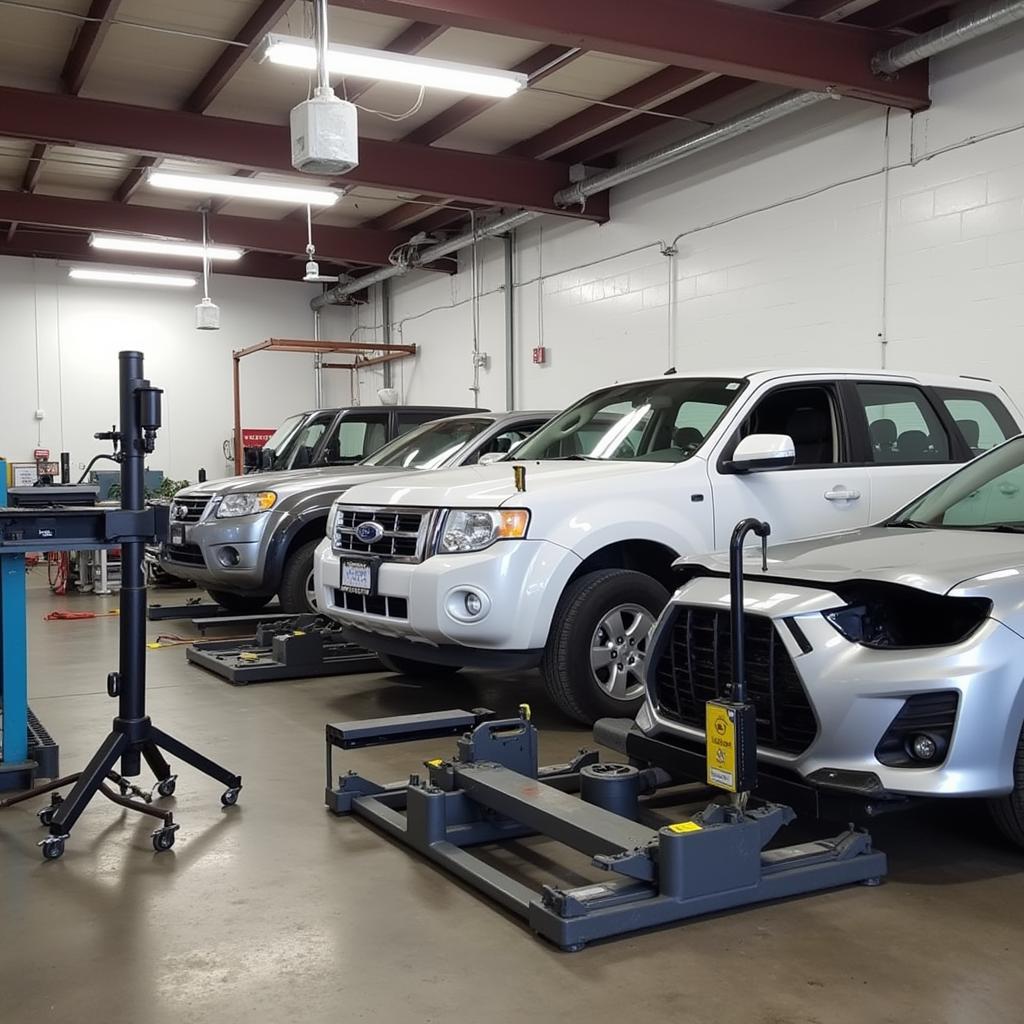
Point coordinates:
[(650, 557)]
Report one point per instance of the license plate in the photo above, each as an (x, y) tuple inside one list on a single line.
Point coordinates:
[(177, 535), (356, 577)]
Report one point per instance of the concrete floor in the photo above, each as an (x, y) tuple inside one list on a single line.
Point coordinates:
[(276, 911)]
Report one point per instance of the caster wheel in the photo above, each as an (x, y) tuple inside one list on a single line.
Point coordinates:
[(163, 839), (230, 797), (53, 848), (45, 815), (166, 787)]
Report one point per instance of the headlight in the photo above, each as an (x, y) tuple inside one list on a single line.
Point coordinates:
[(245, 504), (475, 529)]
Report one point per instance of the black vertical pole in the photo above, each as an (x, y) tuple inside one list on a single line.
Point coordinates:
[(132, 667), (739, 665)]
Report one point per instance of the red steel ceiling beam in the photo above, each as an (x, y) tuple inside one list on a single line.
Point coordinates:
[(79, 60), (232, 57), (209, 88), (705, 35), (888, 14), (650, 91), (401, 166), (356, 245), (61, 246), (87, 44), (34, 168)]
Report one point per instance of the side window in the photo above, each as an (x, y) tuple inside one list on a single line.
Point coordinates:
[(307, 441), (902, 425), (807, 414), (980, 417), (694, 421), (355, 437)]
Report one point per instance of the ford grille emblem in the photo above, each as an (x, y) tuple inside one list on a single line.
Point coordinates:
[(369, 533)]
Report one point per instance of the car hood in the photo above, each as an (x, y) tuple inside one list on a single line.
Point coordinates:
[(295, 481), (494, 485), (933, 560)]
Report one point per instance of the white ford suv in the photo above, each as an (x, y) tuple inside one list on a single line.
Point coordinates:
[(561, 556)]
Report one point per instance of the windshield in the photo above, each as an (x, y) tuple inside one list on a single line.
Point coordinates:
[(987, 494), (277, 440), (429, 447), (652, 421)]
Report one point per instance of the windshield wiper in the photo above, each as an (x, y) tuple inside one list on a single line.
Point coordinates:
[(1001, 528), (911, 524)]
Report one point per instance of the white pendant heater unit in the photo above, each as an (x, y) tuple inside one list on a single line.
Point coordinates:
[(324, 128), (207, 313)]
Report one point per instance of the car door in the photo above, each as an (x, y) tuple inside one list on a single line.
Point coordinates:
[(910, 442), (824, 491), (353, 436)]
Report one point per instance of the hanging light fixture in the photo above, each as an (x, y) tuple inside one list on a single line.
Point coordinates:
[(261, 189), (207, 313), (358, 62), (163, 247), (131, 277)]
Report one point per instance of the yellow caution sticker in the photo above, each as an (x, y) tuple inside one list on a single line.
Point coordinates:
[(685, 826), (720, 726)]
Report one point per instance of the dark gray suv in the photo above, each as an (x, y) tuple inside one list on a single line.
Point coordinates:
[(248, 538)]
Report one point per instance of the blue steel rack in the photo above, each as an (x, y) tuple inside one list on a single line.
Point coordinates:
[(26, 750)]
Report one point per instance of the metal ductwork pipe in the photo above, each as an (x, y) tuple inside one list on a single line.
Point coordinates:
[(928, 44), (945, 37), (577, 194), (425, 256)]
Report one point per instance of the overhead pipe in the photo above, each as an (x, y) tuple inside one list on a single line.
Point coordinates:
[(928, 44), (945, 37), (577, 194)]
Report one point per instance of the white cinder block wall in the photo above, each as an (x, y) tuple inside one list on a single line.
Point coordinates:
[(841, 236), (59, 345)]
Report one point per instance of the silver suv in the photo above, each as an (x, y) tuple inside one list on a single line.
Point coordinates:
[(885, 663), (245, 539)]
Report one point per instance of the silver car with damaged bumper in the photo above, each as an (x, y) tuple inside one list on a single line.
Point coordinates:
[(885, 662)]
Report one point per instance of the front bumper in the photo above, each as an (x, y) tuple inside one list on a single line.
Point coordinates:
[(519, 581), (212, 540), (856, 692)]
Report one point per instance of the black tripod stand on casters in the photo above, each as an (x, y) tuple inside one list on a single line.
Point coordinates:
[(133, 737)]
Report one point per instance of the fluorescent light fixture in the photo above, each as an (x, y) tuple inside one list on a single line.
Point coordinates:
[(295, 52), (131, 277), (244, 188), (163, 247)]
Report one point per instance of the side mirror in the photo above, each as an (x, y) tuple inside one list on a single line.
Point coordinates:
[(490, 457), (762, 451)]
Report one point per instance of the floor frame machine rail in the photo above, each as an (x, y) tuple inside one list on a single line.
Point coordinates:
[(493, 790)]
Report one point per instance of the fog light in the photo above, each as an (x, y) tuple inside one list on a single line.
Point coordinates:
[(473, 604), (923, 747), (228, 556)]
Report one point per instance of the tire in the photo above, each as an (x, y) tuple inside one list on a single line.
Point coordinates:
[(240, 604), (413, 667), (582, 661), (1008, 811), (295, 593)]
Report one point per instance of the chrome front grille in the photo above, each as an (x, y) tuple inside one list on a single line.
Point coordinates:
[(403, 532), (189, 509)]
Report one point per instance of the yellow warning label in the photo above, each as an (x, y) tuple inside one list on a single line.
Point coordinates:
[(720, 726), (685, 826), (435, 763)]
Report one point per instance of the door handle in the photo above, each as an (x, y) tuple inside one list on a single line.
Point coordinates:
[(841, 494)]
